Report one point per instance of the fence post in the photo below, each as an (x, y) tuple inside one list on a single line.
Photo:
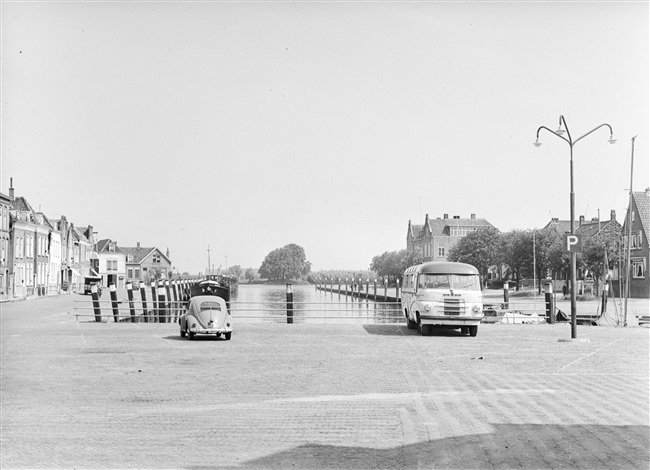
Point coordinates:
[(367, 288), (289, 303), (116, 311), (169, 300), (603, 306), (175, 283), (129, 293), (143, 297), (162, 311), (385, 290), (550, 301), (506, 295), (153, 300), (96, 307), (396, 290)]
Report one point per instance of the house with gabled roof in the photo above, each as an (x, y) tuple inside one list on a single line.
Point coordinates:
[(639, 229), (146, 263), (112, 263), (436, 237)]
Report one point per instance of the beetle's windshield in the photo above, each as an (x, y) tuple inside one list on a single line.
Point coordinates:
[(449, 281)]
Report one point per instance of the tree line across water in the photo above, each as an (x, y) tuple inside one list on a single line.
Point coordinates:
[(519, 254)]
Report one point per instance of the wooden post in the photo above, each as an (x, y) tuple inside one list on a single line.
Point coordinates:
[(162, 311), (375, 291), (154, 296), (506, 295), (289, 303), (116, 311), (396, 290), (129, 293), (143, 297), (385, 289), (176, 309), (96, 307), (169, 299), (550, 302)]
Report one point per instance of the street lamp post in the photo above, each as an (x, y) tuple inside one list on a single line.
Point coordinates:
[(562, 127)]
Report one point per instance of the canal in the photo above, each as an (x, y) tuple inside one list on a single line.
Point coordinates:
[(269, 303)]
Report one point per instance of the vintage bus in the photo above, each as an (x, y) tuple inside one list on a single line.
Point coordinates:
[(442, 294)]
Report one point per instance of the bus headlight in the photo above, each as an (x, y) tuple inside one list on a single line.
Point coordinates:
[(476, 309), (427, 307)]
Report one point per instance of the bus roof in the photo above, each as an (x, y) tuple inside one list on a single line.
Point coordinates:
[(444, 267)]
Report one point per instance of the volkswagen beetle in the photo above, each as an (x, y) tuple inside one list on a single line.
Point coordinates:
[(206, 315)]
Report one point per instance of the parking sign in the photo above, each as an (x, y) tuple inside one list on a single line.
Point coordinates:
[(573, 243)]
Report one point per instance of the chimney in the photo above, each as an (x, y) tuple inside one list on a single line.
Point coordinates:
[(456, 217), (138, 244), (445, 216), (582, 220), (167, 252), (612, 215), (11, 189), (473, 216)]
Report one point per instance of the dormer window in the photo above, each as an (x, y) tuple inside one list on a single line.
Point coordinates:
[(111, 247), (129, 258)]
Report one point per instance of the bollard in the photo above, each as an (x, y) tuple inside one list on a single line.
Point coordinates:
[(289, 303), (396, 289), (153, 300), (95, 297), (339, 288), (169, 299), (506, 295), (367, 288), (116, 311), (550, 302), (129, 294), (375, 291), (143, 297), (161, 305), (603, 305), (385, 290), (176, 310)]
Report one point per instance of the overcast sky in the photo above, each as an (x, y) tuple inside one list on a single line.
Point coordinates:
[(248, 126)]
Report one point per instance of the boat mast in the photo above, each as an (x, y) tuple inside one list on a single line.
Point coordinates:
[(628, 268)]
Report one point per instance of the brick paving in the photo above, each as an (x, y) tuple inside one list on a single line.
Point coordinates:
[(316, 396)]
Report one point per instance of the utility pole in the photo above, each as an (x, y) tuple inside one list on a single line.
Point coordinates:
[(628, 269)]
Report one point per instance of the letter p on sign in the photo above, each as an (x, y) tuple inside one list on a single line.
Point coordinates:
[(574, 243)]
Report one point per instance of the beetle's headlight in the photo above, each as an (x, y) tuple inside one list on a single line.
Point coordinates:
[(476, 309)]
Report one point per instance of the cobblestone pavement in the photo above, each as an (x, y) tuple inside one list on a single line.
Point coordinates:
[(313, 396)]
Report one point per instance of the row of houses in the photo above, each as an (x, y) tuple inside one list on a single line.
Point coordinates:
[(435, 237), (42, 256)]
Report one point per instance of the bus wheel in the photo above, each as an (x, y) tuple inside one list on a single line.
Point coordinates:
[(473, 330), (420, 326), (410, 324), (464, 330)]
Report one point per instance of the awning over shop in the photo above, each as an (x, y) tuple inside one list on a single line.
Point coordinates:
[(95, 273), (75, 272)]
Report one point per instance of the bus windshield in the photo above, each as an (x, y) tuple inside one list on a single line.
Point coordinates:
[(449, 281)]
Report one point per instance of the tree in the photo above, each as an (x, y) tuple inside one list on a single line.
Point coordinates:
[(235, 271), (288, 262), (250, 274), (394, 263), (600, 254), (479, 248)]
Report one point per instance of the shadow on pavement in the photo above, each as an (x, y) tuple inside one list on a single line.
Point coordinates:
[(402, 330), (526, 446)]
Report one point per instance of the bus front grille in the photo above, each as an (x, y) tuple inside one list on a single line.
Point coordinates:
[(452, 306)]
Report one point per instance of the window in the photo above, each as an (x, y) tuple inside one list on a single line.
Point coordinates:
[(111, 265), (635, 242), (638, 268), (129, 258), (137, 273), (156, 258), (441, 249), (129, 273)]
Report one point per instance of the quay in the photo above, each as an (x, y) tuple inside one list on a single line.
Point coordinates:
[(317, 395)]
